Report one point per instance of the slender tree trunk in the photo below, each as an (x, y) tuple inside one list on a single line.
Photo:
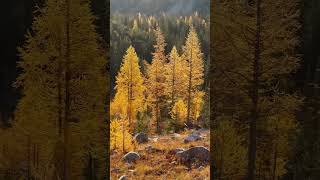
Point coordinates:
[(66, 171), (157, 117), (255, 98), (275, 156), (59, 91), (38, 154), (221, 157), (157, 102), (189, 90), (173, 83), (123, 134), (34, 154), (29, 158), (130, 96)]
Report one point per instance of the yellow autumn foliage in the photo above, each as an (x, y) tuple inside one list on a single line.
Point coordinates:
[(129, 98), (179, 111), (120, 138)]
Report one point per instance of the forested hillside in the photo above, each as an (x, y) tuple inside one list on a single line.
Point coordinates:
[(152, 7), (138, 31), (160, 90)]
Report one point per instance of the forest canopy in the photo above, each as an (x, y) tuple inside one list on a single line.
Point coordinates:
[(154, 7)]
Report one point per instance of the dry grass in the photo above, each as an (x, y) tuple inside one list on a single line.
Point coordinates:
[(160, 164)]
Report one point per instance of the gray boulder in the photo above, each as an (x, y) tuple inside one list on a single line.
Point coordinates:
[(195, 154), (141, 138), (192, 137), (201, 131), (175, 151), (124, 177), (131, 157)]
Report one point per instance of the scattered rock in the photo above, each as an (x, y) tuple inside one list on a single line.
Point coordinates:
[(175, 151), (148, 148), (141, 138), (154, 139), (175, 136), (131, 157), (115, 170), (173, 162), (124, 177), (192, 137), (200, 131), (198, 154), (131, 171)]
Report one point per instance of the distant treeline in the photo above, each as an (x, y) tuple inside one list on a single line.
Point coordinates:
[(138, 31), (154, 7)]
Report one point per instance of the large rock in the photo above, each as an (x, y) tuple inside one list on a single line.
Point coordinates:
[(200, 131), (141, 138), (131, 157), (192, 137), (198, 154), (175, 151), (124, 177)]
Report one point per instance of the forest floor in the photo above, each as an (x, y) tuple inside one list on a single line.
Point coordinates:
[(160, 163)]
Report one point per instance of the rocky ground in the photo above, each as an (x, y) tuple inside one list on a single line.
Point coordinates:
[(170, 157)]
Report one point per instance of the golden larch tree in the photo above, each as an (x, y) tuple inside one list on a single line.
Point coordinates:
[(63, 83), (176, 77), (129, 88), (156, 78), (193, 57)]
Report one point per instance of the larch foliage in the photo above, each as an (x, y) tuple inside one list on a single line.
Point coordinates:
[(193, 57), (42, 82), (120, 139), (156, 79), (135, 27), (197, 105), (179, 111), (255, 54), (129, 97), (230, 154), (176, 77)]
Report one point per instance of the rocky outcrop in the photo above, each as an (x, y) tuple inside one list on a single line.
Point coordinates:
[(198, 154), (175, 151), (192, 137), (131, 157), (141, 138), (124, 177)]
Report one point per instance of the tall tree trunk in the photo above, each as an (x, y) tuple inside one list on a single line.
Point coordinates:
[(59, 90), (275, 157), (29, 158), (123, 134), (38, 154), (66, 170), (255, 98), (34, 154), (173, 83), (106, 28), (221, 157), (130, 97), (157, 116), (189, 90)]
